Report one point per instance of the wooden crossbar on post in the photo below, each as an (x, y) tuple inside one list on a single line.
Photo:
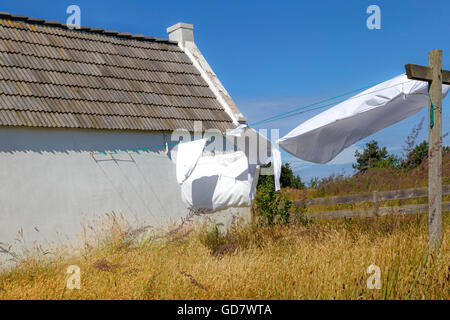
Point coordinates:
[(421, 73), (435, 76)]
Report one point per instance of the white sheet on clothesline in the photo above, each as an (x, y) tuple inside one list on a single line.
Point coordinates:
[(324, 136), (257, 154), (218, 182), (276, 160), (187, 157), (211, 183)]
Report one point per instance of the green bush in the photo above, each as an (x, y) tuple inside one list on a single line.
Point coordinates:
[(271, 206)]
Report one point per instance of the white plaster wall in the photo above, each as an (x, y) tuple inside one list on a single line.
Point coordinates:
[(49, 181)]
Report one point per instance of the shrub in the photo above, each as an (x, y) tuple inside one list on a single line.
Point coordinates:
[(270, 205), (288, 179)]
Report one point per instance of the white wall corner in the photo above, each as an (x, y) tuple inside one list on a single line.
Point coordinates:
[(183, 33)]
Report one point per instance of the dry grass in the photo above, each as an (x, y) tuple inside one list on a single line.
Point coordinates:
[(383, 179), (323, 260), (379, 179)]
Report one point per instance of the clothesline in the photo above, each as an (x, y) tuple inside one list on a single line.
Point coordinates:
[(309, 105), (291, 114), (294, 112), (211, 183)]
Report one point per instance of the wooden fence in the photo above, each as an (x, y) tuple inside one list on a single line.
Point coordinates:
[(375, 198)]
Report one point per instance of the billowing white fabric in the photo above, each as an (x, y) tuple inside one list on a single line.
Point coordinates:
[(276, 161), (259, 149), (218, 182), (324, 136), (187, 157), (237, 132), (258, 155), (253, 175), (210, 183)]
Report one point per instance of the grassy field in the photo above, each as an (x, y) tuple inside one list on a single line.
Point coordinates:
[(380, 179), (321, 259), (318, 260)]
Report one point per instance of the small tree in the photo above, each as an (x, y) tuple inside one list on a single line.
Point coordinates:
[(288, 179), (415, 157), (374, 157)]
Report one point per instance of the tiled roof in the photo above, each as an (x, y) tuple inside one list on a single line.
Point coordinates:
[(51, 76)]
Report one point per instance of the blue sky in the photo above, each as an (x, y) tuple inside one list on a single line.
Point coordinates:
[(273, 56)]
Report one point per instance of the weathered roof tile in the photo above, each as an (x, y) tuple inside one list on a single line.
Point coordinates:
[(52, 76)]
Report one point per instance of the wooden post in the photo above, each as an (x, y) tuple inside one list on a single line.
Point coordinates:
[(435, 77), (435, 151)]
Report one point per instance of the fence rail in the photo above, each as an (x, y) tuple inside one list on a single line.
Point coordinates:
[(375, 197)]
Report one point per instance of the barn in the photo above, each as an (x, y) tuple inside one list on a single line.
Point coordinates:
[(74, 102)]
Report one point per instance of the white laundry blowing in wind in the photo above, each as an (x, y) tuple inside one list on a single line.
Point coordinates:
[(324, 136), (210, 183)]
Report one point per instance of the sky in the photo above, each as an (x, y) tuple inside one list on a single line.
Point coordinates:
[(275, 56)]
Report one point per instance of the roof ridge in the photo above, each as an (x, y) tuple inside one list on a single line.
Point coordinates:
[(57, 24)]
